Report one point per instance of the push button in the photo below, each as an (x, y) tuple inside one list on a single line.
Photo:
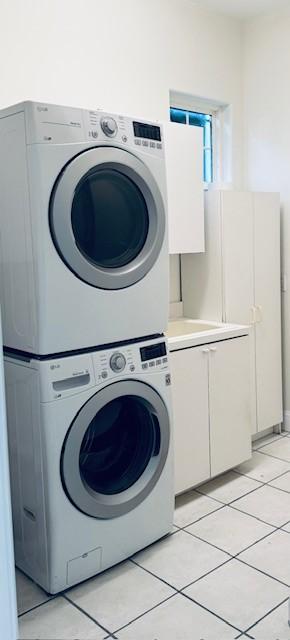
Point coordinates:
[(145, 365), (152, 364)]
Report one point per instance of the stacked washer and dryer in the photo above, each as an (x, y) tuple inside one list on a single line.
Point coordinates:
[(84, 293)]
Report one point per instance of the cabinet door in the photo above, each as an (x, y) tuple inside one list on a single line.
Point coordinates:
[(189, 372), (229, 404), (184, 167), (238, 256), (238, 270), (267, 300)]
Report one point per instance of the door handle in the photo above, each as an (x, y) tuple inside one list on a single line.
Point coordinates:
[(260, 315), (254, 315), (212, 349), (205, 351)]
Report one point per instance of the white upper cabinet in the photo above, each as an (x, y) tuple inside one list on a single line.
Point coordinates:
[(237, 279), (184, 168)]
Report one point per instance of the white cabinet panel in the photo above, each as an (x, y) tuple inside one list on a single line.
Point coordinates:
[(184, 167), (238, 263), (238, 280), (189, 373), (229, 404), (268, 315)]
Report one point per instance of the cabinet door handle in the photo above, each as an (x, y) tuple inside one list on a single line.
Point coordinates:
[(260, 316), (253, 312), (205, 351), (212, 349)]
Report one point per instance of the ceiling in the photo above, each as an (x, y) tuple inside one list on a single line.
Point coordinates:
[(244, 8)]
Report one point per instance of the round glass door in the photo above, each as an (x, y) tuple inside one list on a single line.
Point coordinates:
[(115, 449), (107, 218)]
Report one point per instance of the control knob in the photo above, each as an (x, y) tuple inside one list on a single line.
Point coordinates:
[(109, 126), (117, 362)]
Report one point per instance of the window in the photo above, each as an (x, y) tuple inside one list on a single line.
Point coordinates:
[(203, 120)]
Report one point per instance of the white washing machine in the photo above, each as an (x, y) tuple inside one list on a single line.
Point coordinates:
[(90, 459), (83, 233)]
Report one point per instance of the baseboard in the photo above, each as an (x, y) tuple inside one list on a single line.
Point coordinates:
[(286, 421)]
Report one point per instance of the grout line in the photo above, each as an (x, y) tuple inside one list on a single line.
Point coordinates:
[(279, 437), (202, 517), (185, 595), (37, 606), (267, 614), (145, 613), (284, 584), (275, 526), (87, 614), (180, 590), (233, 556)]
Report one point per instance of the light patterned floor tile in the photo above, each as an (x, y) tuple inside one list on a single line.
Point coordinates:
[(29, 594), (178, 619), (279, 449), (119, 595), (274, 626), (282, 483), (58, 620), (262, 467), (180, 559), (271, 555), (239, 594), (230, 530), (228, 487), (191, 506), (268, 504)]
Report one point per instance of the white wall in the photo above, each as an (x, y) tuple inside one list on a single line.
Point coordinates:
[(267, 133), (124, 55)]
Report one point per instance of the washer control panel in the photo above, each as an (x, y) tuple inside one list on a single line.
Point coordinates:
[(117, 362), (130, 359), (74, 374)]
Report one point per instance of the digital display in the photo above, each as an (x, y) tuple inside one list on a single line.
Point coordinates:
[(149, 131), (154, 351)]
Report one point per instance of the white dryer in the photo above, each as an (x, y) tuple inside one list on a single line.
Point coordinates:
[(90, 458), (83, 233)]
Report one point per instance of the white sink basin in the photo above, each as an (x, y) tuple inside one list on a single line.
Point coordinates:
[(185, 327), (183, 333)]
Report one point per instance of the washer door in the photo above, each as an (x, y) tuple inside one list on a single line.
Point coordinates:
[(115, 449), (107, 218)]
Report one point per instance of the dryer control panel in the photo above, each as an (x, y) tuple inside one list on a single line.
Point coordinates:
[(54, 124)]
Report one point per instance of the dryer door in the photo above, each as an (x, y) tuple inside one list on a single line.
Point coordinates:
[(107, 218), (115, 449)]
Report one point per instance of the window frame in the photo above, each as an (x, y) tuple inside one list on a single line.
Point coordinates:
[(221, 131)]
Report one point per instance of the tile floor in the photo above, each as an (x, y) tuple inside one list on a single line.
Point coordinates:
[(223, 573)]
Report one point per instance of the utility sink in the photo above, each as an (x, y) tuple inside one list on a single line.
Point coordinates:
[(185, 327), (183, 333)]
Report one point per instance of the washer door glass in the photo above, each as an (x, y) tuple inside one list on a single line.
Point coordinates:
[(107, 218), (115, 449)]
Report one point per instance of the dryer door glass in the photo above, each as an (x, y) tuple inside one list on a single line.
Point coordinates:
[(107, 218), (116, 449)]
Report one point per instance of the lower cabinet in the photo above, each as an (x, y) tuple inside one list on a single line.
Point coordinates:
[(211, 410)]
